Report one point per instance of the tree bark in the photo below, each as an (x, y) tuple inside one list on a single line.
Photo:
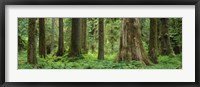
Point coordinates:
[(42, 46), (159, 28), (166, 48), (31, 41), (83, 34), (60, 51), (75, 50), (101, 39), (153, 40), (131, 46)]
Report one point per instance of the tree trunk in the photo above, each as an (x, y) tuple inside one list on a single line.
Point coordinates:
[(153, 40), (101, 39), (166, 48), (75, 50), (42, 46), (159, 28), (83, 33), (131, 46), (52, 34), (31, 41), (60, 51)]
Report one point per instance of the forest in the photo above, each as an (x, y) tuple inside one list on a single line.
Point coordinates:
[(99, 43)]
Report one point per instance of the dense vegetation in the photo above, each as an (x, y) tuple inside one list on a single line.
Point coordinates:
[(99, 43)]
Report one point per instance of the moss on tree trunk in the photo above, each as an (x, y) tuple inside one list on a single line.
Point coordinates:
[(42, 46), (101, 39), (60, 51), (131, 46), (83, 34), (31, 41), (159, 28), (153, 40), (166, 48), (75, 49)]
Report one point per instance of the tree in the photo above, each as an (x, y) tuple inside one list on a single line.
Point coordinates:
[(131, 46), (83, 34), (75, 49), (166, 48), (159, 28), (60, 51), (31, 41), (42, 46), (153, 40), (101, 39), (52, 34)]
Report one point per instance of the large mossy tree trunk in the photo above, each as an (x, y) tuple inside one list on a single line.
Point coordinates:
[(60, 51), (75, 49), (31, 41), (83, 34), (166, 48), (131, 46), (42, 46), (101, 39), (153, 40)]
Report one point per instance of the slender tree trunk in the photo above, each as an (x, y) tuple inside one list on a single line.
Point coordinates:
[(75, 38), (83, 34), (101, 39), (31, 41), (166, 48), (159, 28), (52, 34), (42, 46), (60, 41), (153, 40), (131, 46), (84, 26)]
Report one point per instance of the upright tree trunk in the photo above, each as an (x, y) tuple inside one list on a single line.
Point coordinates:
[(75, 38), (31, 41), (159, 28), (101, 39), (60, 41), (52, 34), (166, 48), (153, 40), (42, 46), (131, 46), (83, 33)]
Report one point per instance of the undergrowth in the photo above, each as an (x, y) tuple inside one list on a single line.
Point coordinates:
[(90, 61)]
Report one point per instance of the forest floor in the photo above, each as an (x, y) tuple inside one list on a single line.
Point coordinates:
[(90, 61)]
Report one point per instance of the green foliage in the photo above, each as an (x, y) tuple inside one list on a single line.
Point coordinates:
[(175, 32), (22, 33), (90, 61), (145, 28), (167, 62), (112, 31)]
